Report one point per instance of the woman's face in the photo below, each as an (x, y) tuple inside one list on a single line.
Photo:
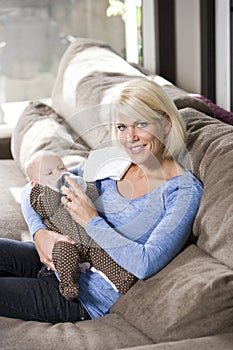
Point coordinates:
[(142, 140)]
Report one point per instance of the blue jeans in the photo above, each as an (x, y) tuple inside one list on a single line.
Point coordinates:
[(29, 291)]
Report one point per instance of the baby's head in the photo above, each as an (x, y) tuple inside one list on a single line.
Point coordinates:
[(45, 168)]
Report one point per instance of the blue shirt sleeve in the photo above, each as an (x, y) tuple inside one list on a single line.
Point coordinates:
[(144, 259), (33, 220)]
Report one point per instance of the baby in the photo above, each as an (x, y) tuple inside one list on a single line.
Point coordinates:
[(46, 173)]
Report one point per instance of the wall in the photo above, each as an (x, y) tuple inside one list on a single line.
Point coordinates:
[(166, 22), (188, 48)]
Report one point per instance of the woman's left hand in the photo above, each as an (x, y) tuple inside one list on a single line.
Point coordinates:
[(78, 204)]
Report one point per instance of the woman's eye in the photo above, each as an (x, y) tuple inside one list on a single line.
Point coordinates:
[(141, 125), (49, 173), (121, 127), (62, 168)]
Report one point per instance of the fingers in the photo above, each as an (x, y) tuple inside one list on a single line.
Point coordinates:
[(65, 239), (72, 196), (67, 203), (71, 193), (78, 203), (50, 266), (48, 263), (47, 260), (44, 241)]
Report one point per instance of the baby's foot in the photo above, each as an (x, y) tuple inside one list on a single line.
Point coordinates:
[(68, 287), (66, 261)]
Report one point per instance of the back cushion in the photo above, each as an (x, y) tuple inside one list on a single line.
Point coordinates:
[(40, 128), (210, 146), (190, 298), (89, 74)]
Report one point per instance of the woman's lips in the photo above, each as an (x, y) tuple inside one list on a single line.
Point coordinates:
[(136, 149)]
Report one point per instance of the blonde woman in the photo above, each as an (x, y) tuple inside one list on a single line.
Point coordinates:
[(141, 220)]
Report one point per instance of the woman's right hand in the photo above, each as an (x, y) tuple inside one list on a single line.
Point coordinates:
[(44, 241)]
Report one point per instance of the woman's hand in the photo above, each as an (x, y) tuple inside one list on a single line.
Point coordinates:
[(44, 241), (78, 204)]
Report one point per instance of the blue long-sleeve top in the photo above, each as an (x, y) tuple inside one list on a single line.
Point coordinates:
[(141, 234)]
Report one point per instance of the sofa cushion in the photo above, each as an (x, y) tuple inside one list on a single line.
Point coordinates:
[(82, 61), (40, 128), (210, 150), (109, 332), (12, 224), (215, 342), (191, 297), (88, 76)]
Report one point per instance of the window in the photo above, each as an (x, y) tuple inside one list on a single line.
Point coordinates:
[(34, 35)]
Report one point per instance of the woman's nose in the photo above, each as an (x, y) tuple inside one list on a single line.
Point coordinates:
[(132, 134)]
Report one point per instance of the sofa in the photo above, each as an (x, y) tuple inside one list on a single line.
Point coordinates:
[(189, 303)]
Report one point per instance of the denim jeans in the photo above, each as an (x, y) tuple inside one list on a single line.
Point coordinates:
[(29, 291)]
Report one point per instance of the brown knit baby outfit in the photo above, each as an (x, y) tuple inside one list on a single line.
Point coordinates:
[(66, 256)]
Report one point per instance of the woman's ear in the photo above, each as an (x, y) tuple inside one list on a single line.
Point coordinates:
[(167, 124)]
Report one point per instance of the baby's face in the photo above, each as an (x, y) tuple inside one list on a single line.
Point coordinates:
[(49, 170)]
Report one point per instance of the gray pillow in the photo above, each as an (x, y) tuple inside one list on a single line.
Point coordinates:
[(210, 145), (12, 223), (190, 298), (40, 128)]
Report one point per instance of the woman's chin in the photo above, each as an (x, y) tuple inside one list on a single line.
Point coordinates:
[(138, 158)]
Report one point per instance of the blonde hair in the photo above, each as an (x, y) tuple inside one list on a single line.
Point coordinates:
[(146, 100)]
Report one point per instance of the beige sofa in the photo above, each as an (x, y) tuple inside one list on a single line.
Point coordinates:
[(187, 305)]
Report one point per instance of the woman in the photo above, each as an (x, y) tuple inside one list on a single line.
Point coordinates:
[(142, 220)]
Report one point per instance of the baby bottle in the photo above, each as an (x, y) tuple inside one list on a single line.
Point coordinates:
[(78, 179)]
